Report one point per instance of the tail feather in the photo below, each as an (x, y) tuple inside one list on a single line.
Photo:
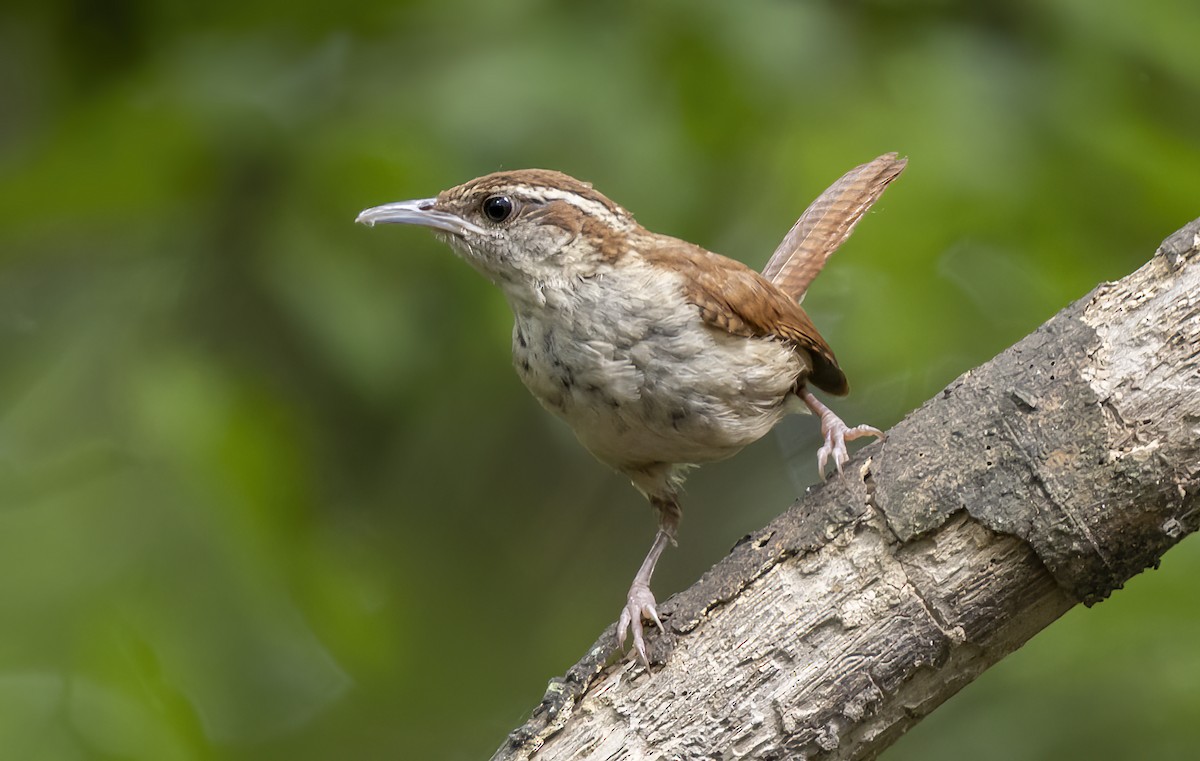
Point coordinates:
[(827, 222)]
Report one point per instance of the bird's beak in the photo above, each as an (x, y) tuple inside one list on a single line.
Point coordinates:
[(421, 212)]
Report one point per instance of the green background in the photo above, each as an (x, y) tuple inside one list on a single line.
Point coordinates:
[(269, 487)]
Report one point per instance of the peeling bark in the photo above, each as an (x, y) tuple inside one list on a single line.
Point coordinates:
[(1047, 477)]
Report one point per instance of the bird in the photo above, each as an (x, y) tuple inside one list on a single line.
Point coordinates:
[(659, 354)]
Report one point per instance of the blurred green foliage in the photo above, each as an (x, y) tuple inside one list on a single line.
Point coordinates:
[(268, 486)]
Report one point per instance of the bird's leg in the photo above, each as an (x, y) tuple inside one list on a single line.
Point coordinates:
[(836, 432), (640, 602)]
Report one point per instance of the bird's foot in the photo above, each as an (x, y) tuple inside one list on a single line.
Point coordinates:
[(640, 604), (836, 435)]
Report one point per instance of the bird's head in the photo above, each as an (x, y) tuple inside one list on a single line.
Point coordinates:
[(520, 227)]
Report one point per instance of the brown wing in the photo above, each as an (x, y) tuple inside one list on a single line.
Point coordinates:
[(735, 298), (827, 223)]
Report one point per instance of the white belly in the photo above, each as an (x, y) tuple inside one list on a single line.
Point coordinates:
[(639, 377)]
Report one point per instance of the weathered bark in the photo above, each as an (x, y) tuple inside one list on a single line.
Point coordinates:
[(1046, 477)]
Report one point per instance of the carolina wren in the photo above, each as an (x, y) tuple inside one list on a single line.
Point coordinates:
[(659, 354)]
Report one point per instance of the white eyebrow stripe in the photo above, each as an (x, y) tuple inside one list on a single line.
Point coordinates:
[(586, 205)]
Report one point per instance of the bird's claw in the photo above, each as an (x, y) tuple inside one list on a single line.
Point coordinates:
[(836, 435), (640, 604)]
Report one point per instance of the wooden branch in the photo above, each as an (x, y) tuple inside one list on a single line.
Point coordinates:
[(1046, 477)]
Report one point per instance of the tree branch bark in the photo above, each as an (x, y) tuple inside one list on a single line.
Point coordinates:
[(1044, 478)]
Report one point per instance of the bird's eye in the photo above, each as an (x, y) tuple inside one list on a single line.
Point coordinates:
[(498, 208)]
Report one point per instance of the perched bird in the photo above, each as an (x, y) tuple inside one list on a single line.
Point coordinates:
[(658, 353)]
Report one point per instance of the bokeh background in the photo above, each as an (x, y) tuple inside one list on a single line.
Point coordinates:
[(269, 488)]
